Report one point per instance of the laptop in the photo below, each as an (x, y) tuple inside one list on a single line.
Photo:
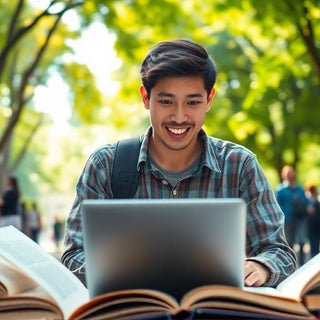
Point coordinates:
[(171, 245)]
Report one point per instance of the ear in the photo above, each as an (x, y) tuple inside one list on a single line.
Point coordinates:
[(210, 98), (144, 96)]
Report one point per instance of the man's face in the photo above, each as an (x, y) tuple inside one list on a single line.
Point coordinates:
[(177, 106), (289, 174)]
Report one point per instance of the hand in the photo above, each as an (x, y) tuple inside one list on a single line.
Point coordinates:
[(255, 274)]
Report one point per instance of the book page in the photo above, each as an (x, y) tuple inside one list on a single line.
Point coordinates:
[(269, 291), (12, 280), (213, 292), (126, 302), (36, 299), (35, 304), (302, 280), (47, 271), (297, 284)]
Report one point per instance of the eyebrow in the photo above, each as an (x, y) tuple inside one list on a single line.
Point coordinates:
[(171, 95)]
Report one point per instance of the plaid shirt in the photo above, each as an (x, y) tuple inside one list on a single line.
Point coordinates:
[(226, 170)]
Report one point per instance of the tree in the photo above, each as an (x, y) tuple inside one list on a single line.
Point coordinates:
[(25, 36), (278, 116)]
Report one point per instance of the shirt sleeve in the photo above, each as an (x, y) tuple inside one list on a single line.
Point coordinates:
[(94, 183), (266, 241)]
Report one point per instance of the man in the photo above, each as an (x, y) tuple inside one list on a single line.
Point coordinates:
[(178, 160), (296, 207)]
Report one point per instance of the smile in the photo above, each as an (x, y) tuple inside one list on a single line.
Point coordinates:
[(177, 131)]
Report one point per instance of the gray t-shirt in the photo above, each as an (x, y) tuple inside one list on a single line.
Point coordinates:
[(176, 176)]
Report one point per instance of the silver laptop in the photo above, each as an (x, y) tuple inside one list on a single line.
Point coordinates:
[(168, 245)]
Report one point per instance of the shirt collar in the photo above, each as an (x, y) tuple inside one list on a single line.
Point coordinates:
[(208, 156)]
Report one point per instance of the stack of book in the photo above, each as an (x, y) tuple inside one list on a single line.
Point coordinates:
[(34, 285)]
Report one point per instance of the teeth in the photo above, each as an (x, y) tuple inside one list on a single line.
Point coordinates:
[(177, 131)]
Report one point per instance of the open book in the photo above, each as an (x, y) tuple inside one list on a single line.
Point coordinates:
[(34, 285)]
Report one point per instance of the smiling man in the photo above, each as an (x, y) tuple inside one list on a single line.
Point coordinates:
[(178, 159)]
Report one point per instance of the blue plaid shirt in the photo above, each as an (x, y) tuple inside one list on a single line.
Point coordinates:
[(226, 170)]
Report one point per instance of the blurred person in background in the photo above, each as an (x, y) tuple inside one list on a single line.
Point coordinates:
[(57, 232), (314, 219), (296, 207), (10, 213), (34, 222), (23, 214)]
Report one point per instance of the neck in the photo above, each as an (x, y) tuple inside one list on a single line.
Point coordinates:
[(175, 160), (291, 183)]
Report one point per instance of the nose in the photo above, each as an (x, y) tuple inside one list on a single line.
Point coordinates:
[(179, 113)]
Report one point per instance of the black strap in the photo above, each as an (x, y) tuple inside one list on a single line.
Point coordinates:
[(125, 176)]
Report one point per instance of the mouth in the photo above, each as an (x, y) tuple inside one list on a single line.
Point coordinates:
[(177, 132)]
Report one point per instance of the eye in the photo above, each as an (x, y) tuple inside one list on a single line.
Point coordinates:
[(165, 101), (193, 102)]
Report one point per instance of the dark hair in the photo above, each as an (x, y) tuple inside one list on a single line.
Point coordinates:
[(14, 183), (177, 58)]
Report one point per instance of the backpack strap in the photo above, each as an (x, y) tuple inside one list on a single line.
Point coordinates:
[(125, 176)]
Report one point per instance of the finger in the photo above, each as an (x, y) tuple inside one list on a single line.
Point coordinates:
[(252, 274), (253, 279)]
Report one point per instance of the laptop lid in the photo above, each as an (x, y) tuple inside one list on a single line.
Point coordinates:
[(171, 245)]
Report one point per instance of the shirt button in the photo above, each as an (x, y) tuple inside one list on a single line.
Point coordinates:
[(164, 182)]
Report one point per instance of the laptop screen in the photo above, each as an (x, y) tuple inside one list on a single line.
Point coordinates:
[(171, 245)]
